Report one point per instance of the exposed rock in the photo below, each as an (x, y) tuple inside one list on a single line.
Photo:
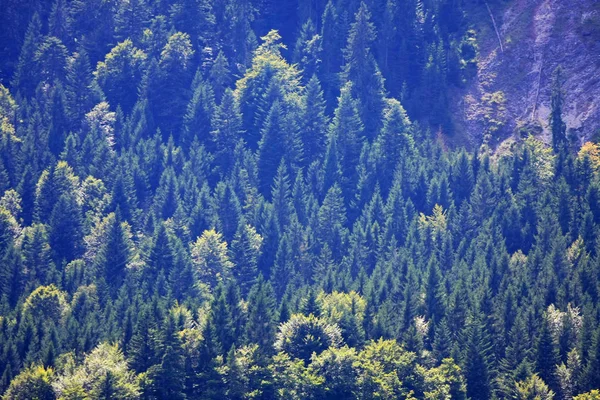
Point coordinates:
[(511, 93)]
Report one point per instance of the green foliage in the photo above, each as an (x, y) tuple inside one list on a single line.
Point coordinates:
[(534, 388), (186, 213), (32, 383), (104, 374), (46, 302), (120, 73), (303, 335), (209, 255)]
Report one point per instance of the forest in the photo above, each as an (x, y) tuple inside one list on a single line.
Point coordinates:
[(265, 199)]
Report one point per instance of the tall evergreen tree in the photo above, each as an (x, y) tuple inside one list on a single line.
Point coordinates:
[(347, 129), (66, 230), (314, 122), (361, 69), (115, 253), (478, 361), (260, 328), (557, 125)]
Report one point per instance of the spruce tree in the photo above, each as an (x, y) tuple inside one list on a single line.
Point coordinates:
[(547, 356), (65, 229), (131, 19), (314, 122), (282, 196), (332, 220), (260, 328), (361, 69), (478, 361), (557, 125), (227, 131), (245, 249), (347, 129), (115, 253), (197, 121)]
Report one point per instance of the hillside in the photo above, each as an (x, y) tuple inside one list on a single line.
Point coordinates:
[(299, 200), (510, 96)]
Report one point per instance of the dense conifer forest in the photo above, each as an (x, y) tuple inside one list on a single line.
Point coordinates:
[(264, 199)]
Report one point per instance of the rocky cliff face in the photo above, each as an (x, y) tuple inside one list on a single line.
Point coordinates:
[(511, 94)]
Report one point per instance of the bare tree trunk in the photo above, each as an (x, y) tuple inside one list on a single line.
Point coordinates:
[(495, 27)]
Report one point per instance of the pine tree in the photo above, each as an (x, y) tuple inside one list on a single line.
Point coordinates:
[(260, 328), (332, 220), (307, 51), (462, 178), (162, 256), (169, 377), (228, 208), (282, 196), (221, 319), (283, 269), (557, 125), (227, 125), (591, 373), (60, 123), (58, 21), (245, 250), (65, 229), (220, 76), (333, 37), (279, 141), (347, 129), (115, 253), (434, 300), (547, 356), (238, 310), (478, 361), (442, 342), (24, 78), (395, 142), (197, 121), (332, 173), (361, 69), (144, 345), (131, 19), (314, 122), (37, 255)]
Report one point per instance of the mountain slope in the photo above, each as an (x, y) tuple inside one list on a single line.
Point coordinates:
[(512, 91)]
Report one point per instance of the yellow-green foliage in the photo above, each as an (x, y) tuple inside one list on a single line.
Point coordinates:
[(177, 52), (591, 150), (334, 306), (46, 302), (122, 57), (8, 107), (302, 336), (533, 388), (593, 395), (268, 64), (210, 257), (542, 159), (382, 370), (105, 362), (292, 379), (34, 383), (436, 222), (444, 382), (494, 111), (382, 367)]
